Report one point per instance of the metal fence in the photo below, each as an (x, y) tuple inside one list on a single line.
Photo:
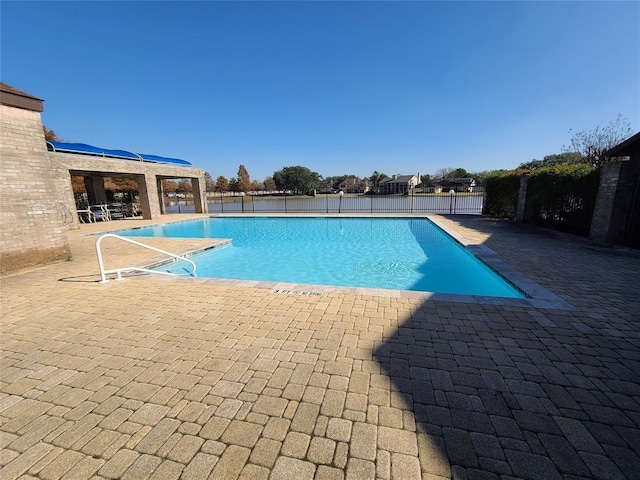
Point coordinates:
[(446, 203)]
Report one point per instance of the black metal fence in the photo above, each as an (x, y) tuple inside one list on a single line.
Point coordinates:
[(469, 203)]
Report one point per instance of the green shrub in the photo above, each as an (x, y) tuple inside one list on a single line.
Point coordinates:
[(563, 197), (502, 194)]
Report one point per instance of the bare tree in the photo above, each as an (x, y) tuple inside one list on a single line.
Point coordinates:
[(594, 144), (50, 135), (443, 174), (244, 181), (210, 185), (269, 184)]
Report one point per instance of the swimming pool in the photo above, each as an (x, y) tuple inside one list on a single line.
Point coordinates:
[(388, 253)]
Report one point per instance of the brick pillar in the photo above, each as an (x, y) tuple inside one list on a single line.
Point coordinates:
[(96, 192), (149, 200), (522, 199), (603, 211), (199, 195), (163, 209)]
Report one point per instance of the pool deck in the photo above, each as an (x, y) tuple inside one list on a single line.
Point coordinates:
[(195, 378)]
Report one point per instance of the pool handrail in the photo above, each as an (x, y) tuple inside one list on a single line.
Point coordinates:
[(119, 271)]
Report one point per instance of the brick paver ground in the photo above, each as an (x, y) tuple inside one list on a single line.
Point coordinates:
[(159, 379)]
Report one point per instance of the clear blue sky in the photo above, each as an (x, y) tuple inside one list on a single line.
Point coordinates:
[(399, 87)]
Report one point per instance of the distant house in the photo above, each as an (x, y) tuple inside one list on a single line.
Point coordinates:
[(456, 184), (461, 185), (355, 185), (402, 184), (326, 188)]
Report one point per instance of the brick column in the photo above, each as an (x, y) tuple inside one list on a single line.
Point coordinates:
[(522, 199), (199, 195), (602, 213), (163, 209), (148, 192), (96, 192)]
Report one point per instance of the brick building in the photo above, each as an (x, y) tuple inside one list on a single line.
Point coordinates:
[(37, 205), (616, 217)]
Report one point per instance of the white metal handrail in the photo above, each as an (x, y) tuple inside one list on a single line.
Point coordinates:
[(118, 271)]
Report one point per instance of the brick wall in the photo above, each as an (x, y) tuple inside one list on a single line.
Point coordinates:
[(31, 218)]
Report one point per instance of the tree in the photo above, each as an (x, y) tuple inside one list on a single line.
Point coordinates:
[(567, 158), (448, 174), (77, 185), (121, 184), (222, 185), (257, 186), (234, 186), (50, 135), (376, 177), (296, 179), (594, 144), (128, 187), (481, 177), (244, 182), (169, 186), (184, 186), (269, 184), (209, 184), (426, 181)]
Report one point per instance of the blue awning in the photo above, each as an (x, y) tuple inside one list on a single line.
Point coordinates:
[(85, 149), (156, 158)]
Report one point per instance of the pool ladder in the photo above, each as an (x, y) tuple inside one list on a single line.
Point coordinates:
[(119, 271)]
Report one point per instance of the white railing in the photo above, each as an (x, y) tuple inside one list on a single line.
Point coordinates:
[(119, 271)]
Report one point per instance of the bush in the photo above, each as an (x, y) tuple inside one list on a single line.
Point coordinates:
[(502, 194), (563, 197)]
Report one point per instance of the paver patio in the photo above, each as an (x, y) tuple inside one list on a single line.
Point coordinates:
[(149, 378)]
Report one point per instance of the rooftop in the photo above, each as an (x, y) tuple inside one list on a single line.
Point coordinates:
[(13, 97)]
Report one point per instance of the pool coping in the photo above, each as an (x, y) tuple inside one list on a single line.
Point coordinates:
[(537, 295)]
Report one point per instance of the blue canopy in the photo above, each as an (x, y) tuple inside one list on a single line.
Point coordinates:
[(85, 149), (155, 158)]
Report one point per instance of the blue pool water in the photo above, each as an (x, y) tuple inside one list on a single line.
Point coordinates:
[(390, 253)]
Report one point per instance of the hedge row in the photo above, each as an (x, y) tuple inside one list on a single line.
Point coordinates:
[(562, 196), (502, 194)]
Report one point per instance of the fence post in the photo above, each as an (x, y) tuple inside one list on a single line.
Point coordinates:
[(522, 199)]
